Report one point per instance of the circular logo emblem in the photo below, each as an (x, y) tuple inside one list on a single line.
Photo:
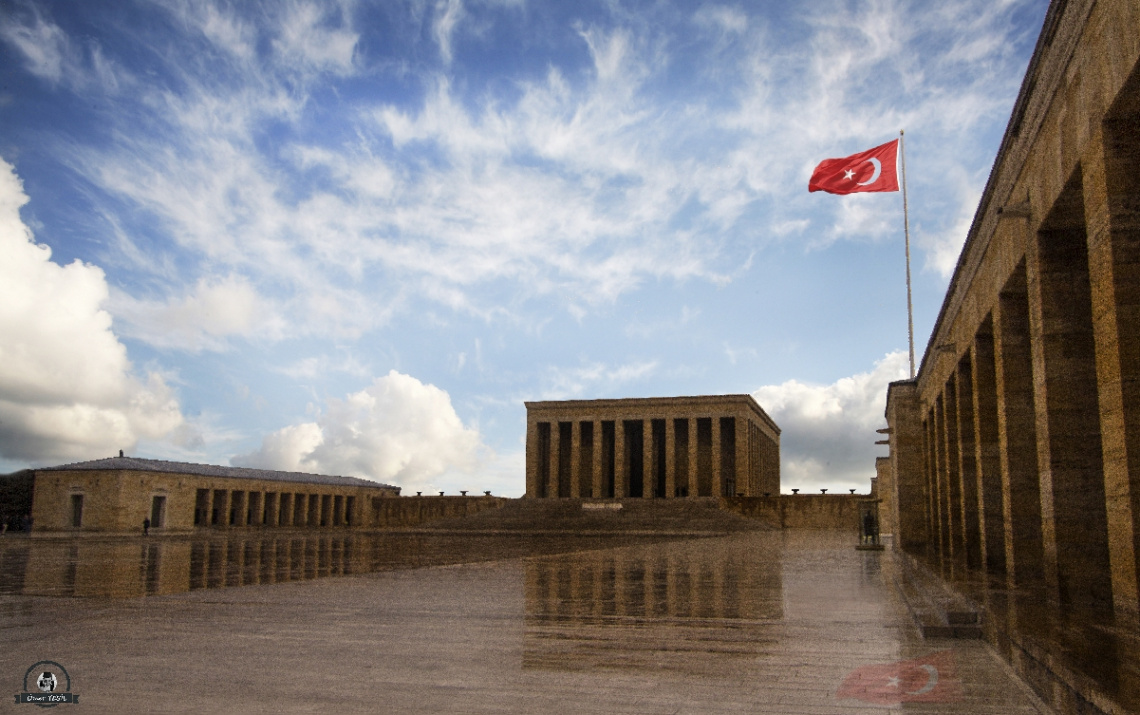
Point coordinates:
[(47, 684), (47, 681)]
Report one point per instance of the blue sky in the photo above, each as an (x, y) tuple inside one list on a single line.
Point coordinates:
[(353, 237)]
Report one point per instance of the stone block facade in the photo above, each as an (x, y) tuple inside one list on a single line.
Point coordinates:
[(1015, 451), (115, 495), (661, 447)]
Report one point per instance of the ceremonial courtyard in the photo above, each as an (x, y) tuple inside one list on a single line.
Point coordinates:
[(758, 621)]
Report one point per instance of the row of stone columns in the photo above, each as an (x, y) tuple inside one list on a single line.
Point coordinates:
[(225, 507), (697, 456), (1030, 465)]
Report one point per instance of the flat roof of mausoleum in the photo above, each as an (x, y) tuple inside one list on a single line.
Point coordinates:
[(644, 403), (137, 464)]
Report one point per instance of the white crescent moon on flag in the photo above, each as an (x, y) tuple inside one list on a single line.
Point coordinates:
[(931, 671), (874, 177)]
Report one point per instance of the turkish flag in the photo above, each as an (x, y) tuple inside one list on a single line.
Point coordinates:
[(871, 170), (929, 679)]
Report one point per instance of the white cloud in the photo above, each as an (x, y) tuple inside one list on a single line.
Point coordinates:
[(584, 183), (67, 388), (729, 20), (397, 431), (448, 15), (828, 431), (306, 36), (942, 248), (593, 378), (213, 311), (46, 48)]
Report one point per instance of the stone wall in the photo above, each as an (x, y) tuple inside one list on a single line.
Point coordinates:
[(807, 511), (411, 511)]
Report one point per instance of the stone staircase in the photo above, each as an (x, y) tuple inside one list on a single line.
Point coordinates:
[(938, 610)]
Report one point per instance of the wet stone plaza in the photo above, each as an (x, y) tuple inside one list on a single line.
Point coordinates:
[(754, 622)]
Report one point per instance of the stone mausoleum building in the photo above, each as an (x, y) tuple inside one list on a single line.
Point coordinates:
[(117, 494), (1015, 451), (657, 447)]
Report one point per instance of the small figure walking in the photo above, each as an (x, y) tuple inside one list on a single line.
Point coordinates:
[(146, 527), (869, 529)]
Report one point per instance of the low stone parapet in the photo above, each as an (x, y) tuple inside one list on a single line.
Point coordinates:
[(806, 511)]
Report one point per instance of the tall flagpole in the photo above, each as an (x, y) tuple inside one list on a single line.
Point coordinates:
[(906, 230)]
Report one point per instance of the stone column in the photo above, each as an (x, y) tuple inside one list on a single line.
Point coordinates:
[(1017, 434), (300, 509), (621, 466), (670, 457), (284, 509), (1111, 176), (717, 477), (954, 472), (745, 484), (256, 508), (576, 459), (555, 478), (929, 464), (991, 518), (533, 487), (597, 459), (648, 461), (694, 462), (1074, 527), (904, 419), (942, 479), (968, 463), (222, 506)]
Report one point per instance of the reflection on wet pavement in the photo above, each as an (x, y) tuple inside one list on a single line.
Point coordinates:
[(714, 596), (130, 568), (761, 622)]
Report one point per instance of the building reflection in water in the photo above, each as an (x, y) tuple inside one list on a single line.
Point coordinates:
[(131, 568), (649, 606)]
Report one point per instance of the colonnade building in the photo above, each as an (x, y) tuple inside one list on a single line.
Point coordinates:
[(117, 494), (657, 447), (1015, 451)]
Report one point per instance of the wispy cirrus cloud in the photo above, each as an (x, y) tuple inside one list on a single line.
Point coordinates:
[(585, 186)]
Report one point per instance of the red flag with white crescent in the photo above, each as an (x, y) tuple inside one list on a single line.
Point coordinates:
[(930, 679), (871, 170)]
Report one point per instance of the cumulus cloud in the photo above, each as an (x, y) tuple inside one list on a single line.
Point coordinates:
[(828, 431), (397, 430), (212, 311), (67, 389)]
